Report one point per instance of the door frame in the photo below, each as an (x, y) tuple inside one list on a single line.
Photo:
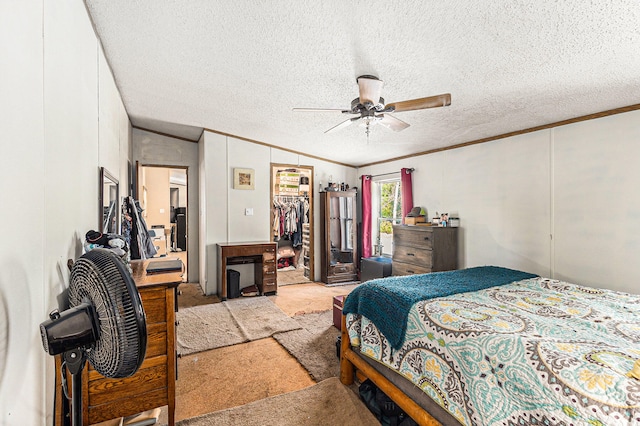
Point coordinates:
[(310, 169), (139, 191)]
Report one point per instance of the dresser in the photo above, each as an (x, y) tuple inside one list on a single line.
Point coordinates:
[(423, 249), (154, 384), (261, 254)]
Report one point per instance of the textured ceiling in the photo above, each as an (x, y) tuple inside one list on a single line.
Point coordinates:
[(240, 67)]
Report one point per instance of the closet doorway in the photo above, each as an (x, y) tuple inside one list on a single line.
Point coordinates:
[(162, 192), (292, 222)]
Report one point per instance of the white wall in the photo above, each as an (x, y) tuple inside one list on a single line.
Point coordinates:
[(158, 150), (561, 202), (596, 202), (224, 219), (62, 119), (22, 300)]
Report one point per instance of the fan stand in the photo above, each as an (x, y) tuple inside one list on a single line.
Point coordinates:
[(75, 360)]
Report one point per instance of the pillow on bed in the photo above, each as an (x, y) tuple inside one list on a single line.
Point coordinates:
[(286, 252)]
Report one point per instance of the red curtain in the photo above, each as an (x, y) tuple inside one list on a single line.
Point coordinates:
[(407, 192), (366, 216)]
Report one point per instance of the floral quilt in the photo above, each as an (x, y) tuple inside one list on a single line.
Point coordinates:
[(537, 351)]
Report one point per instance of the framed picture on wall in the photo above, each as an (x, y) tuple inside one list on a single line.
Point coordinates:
[(243, 178)]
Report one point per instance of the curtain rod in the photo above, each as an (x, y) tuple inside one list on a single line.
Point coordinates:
[(392, 173)]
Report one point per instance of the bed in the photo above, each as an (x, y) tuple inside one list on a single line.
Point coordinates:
[(494, 346)]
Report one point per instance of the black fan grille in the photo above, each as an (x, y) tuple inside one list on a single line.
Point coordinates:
[(101, 279)]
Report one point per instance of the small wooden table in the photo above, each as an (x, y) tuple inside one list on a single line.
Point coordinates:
[(262, 254)]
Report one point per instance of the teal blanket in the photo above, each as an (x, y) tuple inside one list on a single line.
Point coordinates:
[(387, 301)]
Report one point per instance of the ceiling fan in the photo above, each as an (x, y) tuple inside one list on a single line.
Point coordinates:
[(371, 109)]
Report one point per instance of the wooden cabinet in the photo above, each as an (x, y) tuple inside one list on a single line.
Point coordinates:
[(423, 249), (154, 384), (339, 236)]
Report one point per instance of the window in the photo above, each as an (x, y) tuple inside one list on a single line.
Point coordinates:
[(387, 208)]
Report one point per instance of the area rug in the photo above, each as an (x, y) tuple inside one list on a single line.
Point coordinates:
[(326, 403), (314, 344), (228, 323)]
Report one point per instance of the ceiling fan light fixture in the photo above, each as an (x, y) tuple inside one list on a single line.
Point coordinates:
[(370, 90)]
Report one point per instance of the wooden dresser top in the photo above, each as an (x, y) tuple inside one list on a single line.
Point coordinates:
[(142, 279)]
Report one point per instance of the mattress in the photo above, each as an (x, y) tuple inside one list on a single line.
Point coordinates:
[(535, 351)]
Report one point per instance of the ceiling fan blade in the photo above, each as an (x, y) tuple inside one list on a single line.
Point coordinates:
[(393, 123), (318, 109), (421, 103), (370, 89), (344, 124)]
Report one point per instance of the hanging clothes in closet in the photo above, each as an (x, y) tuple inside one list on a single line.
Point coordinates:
[(289, 214)]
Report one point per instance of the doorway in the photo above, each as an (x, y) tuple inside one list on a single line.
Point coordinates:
[(292, 222), (162, 192)]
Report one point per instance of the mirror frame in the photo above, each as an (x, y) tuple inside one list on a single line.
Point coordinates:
[(106, 177)]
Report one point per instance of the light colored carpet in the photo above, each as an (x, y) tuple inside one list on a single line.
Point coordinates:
[(228, 323), (294, 276), (314, 344), (306, 298), (236, 375), (326, 403)]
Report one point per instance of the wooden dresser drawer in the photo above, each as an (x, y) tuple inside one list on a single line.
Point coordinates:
[(342, 268), (155, 309), (269, 255), (415, 236), (151, 375), (418, 256), (269, 269), (401, 268), (269, 284)]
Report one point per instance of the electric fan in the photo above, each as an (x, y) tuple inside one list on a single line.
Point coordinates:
[(105, 323)]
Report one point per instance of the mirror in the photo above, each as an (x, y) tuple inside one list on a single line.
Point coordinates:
[(341, 230), (109, 211)]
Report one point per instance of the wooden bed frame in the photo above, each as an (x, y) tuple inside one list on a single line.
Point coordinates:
[(349, 361)]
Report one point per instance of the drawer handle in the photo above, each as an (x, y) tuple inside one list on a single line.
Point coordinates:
[(410, 254), (410, 271), (270, 272), (426, 238)]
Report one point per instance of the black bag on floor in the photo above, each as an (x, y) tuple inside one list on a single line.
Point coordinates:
[(385, 410)]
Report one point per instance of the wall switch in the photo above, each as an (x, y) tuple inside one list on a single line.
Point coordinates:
[(161, 210), (248, 212)]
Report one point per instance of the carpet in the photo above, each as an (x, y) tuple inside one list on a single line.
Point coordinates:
[(306, 298), (292, 276), (228, 323), (313, 344), (326, 403)]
